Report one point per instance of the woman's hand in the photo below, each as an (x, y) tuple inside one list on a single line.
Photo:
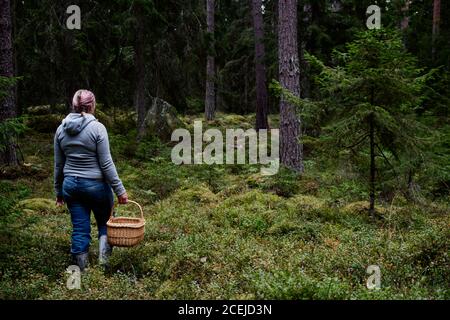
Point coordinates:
[(59, 201), (123, 199)]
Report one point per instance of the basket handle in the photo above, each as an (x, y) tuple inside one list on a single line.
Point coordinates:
[(129, 201)]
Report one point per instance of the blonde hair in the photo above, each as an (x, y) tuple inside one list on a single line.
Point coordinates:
[(83, 101)]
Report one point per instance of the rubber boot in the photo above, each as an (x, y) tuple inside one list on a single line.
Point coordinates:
[(81, 260), (104, 250)]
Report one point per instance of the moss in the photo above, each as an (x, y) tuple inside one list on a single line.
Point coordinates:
[(285, 183), (197, 194), (306, 203), (234, 187), (283, 227), (40, 205), (235, 121), (362, 207), (253, 211), (309, 185), (253, 197), (39, 110), (27, 170), (221, 233)]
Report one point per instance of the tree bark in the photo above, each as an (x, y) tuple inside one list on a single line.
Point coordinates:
[(8, 103), (436, 23), (71, 79), (210, 106), (70, 86), (139, 63), (372, 157), (372, 167), (404, 24), (305, 85), (260, 68), (291, 152)]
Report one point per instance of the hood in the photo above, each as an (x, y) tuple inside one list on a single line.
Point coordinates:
[(74, 123)]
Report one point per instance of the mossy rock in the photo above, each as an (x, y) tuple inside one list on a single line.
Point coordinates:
[(198, 193), (161, 120)]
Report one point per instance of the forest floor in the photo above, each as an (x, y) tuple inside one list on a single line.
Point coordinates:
[(223, 232)]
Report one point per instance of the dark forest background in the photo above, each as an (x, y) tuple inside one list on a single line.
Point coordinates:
[(55, 62), (364, 151)]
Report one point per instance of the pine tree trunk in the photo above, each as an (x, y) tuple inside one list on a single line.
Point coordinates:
[(372, 167), (291, 152), (52, 70), (372, 157), (139, 63), (68, 43), (218, 86), (260, 68), (14, 31), (69, 82), (8, 103), (210, 106), (305, 86), (436, 23)]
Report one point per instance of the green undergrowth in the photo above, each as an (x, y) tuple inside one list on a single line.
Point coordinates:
[(224, 232)]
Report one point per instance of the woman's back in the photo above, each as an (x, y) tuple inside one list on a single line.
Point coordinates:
[(82, 150), (84, 175)]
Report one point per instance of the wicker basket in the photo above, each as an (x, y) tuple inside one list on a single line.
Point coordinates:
[(126, 231)]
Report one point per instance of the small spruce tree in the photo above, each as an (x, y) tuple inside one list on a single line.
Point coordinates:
[(373, 95), (370, 98)]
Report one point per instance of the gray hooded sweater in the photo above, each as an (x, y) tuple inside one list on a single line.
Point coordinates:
[(81, 149)]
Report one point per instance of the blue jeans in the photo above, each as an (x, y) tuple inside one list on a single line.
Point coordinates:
[(83, 196)]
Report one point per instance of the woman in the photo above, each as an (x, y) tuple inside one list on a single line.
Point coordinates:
[(84, 175)]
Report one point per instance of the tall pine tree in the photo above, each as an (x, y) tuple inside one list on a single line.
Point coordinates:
[(210, 96), (291, 152), (260, 68), (8, 100)]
